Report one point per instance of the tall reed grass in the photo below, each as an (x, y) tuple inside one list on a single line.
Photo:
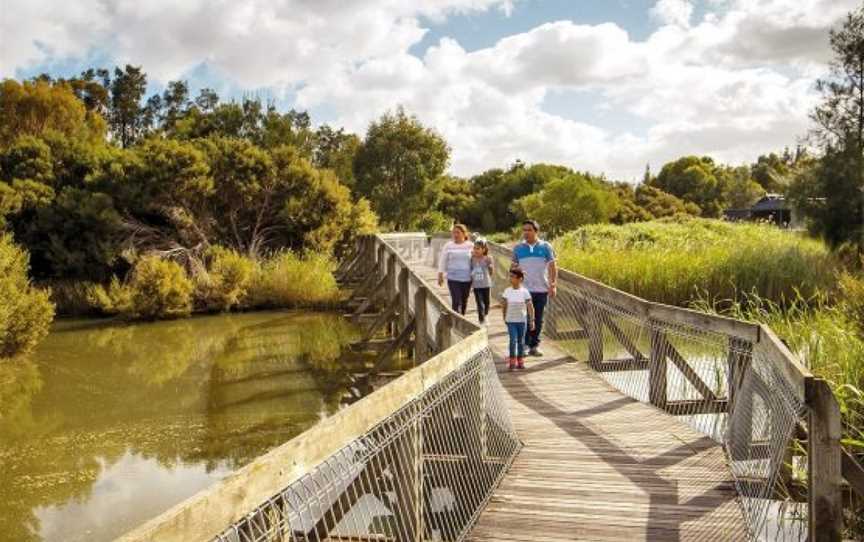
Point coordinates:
[(674, 261), (290, 280), (225, 281)]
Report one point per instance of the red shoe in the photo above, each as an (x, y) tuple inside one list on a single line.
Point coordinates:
[(520, 363), (511, 363)]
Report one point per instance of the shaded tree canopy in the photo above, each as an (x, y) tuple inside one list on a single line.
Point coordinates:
[(397, 165)]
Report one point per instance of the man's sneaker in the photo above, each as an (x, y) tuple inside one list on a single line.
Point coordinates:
[(511, 363), (534, 351), (520, 363)]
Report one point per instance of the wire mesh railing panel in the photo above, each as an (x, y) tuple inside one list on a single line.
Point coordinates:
[(725, 387), (769, 465), (423, 473)]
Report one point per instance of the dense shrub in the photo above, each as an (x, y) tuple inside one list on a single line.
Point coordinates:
[(114, 299), (677, 260), (25, 312), (160, 289), (287, 280), (225, 281)]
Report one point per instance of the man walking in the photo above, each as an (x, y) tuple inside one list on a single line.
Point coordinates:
[(537, 261)]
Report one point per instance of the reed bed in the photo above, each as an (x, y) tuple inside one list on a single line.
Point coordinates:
[(676, 261)]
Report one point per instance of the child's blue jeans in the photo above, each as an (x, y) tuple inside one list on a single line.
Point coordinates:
[(516, 330)]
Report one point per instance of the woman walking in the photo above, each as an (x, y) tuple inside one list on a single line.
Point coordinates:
[(454, 262)]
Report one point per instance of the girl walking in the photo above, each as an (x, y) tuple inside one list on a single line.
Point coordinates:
[(454, 262), (517, 309), (481, 277)]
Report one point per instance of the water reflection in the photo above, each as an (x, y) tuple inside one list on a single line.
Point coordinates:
[(109, 424)]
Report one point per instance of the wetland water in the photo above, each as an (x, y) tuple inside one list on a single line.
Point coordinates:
[(108, 424)]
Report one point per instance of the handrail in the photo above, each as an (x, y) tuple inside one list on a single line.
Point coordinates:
[(749, 375), (463, 324), (751, 332), (205, 515)]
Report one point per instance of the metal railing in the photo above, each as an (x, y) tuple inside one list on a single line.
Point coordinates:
[(733, 381), (415, 460), (418, 459)]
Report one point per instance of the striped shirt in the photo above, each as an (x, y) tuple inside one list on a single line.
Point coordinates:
[(455, 261), (534, 261)]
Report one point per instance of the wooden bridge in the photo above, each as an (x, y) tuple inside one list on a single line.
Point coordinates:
[(640, 422)]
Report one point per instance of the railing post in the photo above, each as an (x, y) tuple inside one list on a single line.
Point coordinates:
[(740, 405), (421, 341), (391, 271), (380, 260), (443, 336), (825, 499), (657, 366), (404, 305)]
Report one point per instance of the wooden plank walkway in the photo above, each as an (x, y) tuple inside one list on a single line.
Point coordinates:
[(598, 465)]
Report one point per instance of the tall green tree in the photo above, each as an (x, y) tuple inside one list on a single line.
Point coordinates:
[(740, 191), (335, 150), (495, 190), (568, 202), (660, 204), (127, 115), (693, 179), (38, 107), (831, 193), (397, 165)]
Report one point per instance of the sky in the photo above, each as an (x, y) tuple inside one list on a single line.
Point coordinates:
[(606, 86)]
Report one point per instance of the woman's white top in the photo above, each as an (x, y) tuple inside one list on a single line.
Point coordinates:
[(455, 261)]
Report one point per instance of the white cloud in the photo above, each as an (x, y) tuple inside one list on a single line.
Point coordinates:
[(673, 12), (735, 83)]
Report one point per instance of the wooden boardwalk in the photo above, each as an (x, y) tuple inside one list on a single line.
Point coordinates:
[(597, 465)]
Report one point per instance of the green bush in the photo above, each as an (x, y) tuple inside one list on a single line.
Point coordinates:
[(675, 261), (160, 289), (25, 312), (287, 280), (114, 299), (225, 281)]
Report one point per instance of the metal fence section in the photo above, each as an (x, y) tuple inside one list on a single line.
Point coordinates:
[(730, 380), (423, 473), (414, 461)]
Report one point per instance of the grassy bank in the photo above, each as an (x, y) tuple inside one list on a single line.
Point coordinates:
[(222, 280), (677, 261)]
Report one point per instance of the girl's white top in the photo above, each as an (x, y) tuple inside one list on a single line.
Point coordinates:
[(517, 304), (455, 261)]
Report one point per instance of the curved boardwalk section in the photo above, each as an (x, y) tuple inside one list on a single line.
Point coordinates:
[(598, 465)]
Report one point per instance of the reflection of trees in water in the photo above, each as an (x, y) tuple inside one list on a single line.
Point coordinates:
[(213, 390), (19, 381), (261, 391)]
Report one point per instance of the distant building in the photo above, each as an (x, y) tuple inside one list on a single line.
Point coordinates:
[(770, 208)]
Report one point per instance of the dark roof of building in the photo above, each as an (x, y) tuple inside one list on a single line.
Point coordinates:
[(770, 203)]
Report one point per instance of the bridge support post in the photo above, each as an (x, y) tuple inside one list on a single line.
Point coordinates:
[(741, 391), (657, 367), (381, 260), (443, 335), (392, 294), (422, 352), (824, 472), (404, 301), (589, 319)]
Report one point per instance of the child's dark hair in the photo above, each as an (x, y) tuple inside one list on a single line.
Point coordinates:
[(516, 272), (482, 244)]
